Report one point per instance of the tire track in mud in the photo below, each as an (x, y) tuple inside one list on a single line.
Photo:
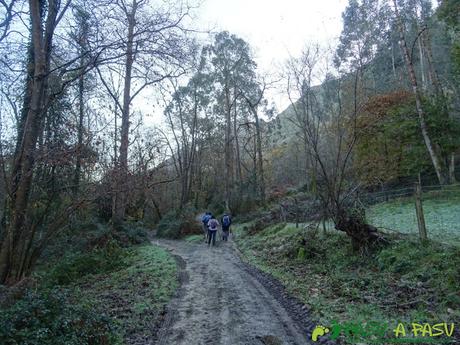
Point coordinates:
[(225, 301)]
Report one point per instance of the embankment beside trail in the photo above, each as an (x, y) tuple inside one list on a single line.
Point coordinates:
[(111, 296), (405, 281)]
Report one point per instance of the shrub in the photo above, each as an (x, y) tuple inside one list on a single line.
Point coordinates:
[(179, 223), (73, 266), (80, 236), (169, 226), (50, 318), (131, 233)]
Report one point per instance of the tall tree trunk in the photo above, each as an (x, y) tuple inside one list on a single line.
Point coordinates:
[(253, 154), (122, 169), (393, 63), (434, 78), (228, 155), (260, 160), (422, 65), (192, 155), (425, 42), (239, 174), (24, 161), (81, 115), (186, 154), (27, 95), (115, 135), (418, 101), (83, 27)]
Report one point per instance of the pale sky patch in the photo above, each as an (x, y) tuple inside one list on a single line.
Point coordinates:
[(274, 29)]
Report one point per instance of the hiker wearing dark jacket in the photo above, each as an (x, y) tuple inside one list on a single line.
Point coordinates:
[(213, 226), (226, 221), (205, 219)]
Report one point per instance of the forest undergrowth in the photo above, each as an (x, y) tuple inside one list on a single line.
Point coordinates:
[(406, 281), (111, 288)]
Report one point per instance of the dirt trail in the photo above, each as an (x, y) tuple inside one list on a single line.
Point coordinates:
[(223, 303)]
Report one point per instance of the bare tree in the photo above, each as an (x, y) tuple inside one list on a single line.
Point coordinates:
[(81, 39), (182, 115), (154, 49), (49, 74), (42, 32), (329, 136), (7, 14)]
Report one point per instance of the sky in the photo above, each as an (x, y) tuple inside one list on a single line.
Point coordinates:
[(276, 29)]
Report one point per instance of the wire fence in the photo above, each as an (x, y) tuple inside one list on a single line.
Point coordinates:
[(395, 210)]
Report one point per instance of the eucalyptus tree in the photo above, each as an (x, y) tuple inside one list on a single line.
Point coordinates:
[(365, 26), (232, 64)]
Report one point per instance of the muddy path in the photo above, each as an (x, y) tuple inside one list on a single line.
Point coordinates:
[(225, 302)]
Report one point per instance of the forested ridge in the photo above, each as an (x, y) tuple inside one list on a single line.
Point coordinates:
[(123, 121)]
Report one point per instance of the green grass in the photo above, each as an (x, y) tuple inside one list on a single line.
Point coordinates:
[(194, 238), (110, 295), (135, 294), (441, 210), (405, 281)]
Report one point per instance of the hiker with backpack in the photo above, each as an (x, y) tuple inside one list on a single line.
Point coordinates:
[(213, 226), (205, 219), (226, 222)]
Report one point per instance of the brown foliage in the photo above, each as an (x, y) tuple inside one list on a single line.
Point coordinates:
[(379, 154), (378, 107)]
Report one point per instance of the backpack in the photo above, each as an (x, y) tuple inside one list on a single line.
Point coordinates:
[(213, 224), (226, 221), (206, 219)]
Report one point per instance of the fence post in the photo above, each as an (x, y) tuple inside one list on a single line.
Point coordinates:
[(419, 211)]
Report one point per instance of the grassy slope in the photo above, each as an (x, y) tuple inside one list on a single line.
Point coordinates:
[(403, 282), (135, 294), (107, 296), (441, 210)]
